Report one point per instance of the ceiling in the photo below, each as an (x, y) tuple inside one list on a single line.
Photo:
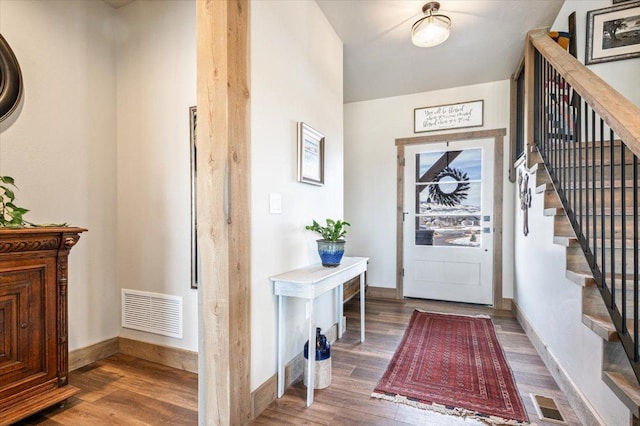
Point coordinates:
[(486, 43)]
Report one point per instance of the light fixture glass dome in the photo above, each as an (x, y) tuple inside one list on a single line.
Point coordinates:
[(432, 29)]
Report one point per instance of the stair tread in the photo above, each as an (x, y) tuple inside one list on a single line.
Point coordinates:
[(566, 241), (601, 325), (544, 187), (581, 278), (630, 390), (553, 211)]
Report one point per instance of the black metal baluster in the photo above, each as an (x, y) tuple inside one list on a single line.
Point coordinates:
[(636, 236), (603, 260), (623, 235), (612, 178), (585, 165), (593, 189), (577, 114)]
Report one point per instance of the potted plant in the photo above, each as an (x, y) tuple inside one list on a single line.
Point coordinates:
[(331, 245)]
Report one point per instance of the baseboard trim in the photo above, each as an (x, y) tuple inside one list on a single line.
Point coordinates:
[(171, 357), (381, 292), (84, 356), (576, 398), (267, 392)]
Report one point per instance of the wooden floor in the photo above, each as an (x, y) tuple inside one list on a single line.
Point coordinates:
[(358, 367), (122, 390)]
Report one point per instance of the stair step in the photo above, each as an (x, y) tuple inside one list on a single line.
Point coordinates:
[(566, 241), (583, 279), (553, 211), (601, 325), (627, 391)]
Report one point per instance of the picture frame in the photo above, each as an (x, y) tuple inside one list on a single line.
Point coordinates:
[(450, 116), (193, 122), (613, 33), (310, 155)]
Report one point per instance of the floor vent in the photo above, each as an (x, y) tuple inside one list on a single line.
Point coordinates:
[(152, 312), (547, 409)]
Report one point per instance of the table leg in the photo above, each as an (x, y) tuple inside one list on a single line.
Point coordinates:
[(280, 347), (312, 357), (362, 307), (340, 308)]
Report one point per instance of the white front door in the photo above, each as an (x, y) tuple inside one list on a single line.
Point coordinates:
[(448, 221)]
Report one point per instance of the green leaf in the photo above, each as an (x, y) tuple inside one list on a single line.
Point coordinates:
[(19, 210), (7, 179), (8, 193)]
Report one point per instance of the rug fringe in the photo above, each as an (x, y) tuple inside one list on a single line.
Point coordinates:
[(456, 411), (456, 315)]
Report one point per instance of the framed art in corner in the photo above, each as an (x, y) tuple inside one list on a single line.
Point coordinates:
[(310, 155), (193, 121), (613, 33)]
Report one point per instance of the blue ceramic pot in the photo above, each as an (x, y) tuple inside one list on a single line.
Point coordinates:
[(331, 252)]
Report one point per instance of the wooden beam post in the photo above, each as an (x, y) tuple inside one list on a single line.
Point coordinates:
[(223, 213)]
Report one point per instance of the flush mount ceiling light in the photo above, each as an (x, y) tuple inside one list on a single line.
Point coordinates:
[(431, 30)]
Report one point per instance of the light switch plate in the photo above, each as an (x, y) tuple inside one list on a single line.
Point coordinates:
[(275, 203)]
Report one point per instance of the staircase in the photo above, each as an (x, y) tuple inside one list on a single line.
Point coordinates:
[(584, 144), (616, 369)]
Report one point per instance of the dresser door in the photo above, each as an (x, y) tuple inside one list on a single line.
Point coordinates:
[(27, 324)]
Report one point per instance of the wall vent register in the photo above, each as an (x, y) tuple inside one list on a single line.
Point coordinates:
[(152, 312)]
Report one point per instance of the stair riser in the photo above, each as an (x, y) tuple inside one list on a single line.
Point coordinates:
[(585, 199), (581, 172), (617, 228), (586, 155)]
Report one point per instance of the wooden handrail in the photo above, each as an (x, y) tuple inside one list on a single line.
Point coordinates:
[(616, 110)]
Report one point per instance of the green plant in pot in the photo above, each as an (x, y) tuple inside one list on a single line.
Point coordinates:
[(331, 245)]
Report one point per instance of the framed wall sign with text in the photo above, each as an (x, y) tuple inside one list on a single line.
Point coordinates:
[(452, 116)]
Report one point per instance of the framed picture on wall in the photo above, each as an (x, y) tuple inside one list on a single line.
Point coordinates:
[(310, 155), (613, 33), (193, 121)]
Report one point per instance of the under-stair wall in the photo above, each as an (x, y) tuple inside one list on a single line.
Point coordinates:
[(550, 307)]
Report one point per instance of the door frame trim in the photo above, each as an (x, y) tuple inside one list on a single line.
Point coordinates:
[(498, 150)]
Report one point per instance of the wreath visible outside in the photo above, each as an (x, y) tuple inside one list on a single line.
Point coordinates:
[(454, 197)]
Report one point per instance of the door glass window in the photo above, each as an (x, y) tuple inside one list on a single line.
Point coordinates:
[(448, 198)]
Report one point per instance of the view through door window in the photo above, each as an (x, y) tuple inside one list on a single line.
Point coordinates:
[(448, 194)]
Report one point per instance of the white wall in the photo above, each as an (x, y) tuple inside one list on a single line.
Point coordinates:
[(60, 144), (156, 85), (371, 128), (621, 75), (296, 75)]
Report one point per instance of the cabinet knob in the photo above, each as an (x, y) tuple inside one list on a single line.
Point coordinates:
[(23, 325)]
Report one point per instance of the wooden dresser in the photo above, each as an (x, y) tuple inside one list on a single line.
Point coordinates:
[(33, 319)]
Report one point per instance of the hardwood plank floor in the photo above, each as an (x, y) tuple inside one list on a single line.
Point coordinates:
[(358, 367), (123, 390)]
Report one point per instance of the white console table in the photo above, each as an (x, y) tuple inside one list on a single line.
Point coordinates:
[(309, 283)]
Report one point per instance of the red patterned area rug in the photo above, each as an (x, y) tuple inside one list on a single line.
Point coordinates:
[(453, 364)]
